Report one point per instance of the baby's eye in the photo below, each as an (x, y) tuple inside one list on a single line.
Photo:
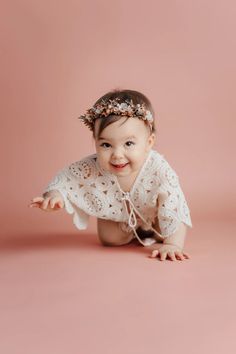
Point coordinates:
[(105, 145), (129, 143)]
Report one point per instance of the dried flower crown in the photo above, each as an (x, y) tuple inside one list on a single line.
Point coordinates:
[(125, 108)]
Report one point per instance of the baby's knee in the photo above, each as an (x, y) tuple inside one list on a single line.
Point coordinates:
[(110, 233), (118, 241), (110, 243)]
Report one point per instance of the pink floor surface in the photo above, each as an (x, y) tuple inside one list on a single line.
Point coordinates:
[(68, 294)]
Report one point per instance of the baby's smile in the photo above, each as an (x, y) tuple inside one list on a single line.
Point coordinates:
[(119, 166)]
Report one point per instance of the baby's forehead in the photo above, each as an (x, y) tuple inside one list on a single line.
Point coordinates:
[(122, 127), (117, 137)]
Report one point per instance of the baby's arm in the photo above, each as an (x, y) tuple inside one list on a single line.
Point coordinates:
[(50, 201)]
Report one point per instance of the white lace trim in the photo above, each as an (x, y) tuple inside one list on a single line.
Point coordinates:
[(89, 190)]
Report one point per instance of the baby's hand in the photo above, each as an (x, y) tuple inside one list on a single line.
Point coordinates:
[(51, 201), (172, 252)]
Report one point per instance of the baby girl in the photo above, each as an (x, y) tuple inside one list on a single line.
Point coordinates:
[(128, 186)]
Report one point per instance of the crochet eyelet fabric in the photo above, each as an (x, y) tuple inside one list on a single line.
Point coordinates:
[(156, 192)]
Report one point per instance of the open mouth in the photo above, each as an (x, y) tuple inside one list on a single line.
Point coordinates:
[(120, 166)]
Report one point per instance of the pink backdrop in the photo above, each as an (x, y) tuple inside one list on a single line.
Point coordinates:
[(59, 57), (62, 292)]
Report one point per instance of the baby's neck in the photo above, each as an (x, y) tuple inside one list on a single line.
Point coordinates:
[(127, 182)]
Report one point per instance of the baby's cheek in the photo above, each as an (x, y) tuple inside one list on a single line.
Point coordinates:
[(103, 160), (139, 156)]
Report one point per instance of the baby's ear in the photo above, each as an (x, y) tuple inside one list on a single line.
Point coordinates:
[(151, 141)]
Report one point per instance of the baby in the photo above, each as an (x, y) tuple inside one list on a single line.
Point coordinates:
[(128, 186)]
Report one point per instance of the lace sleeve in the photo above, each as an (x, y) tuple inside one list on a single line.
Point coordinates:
[(172, 206), (68, 184)]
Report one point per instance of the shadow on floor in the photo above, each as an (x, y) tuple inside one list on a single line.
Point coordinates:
[(46, 241), (18, 243)]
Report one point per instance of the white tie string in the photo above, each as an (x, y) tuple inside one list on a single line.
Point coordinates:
[(132, 219)]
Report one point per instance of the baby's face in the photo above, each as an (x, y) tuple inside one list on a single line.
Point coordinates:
[(123, 146)]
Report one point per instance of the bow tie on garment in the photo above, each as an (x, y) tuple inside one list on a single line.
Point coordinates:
[(132, 219)]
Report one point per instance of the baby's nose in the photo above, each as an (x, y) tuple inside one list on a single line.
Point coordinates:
[(117, 153)]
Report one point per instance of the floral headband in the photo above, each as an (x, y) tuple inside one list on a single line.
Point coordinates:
[(106, 108)]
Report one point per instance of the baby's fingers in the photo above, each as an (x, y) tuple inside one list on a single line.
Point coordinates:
[(36, 202), (154, 254), (37, 199), (56, 203), (180, 256), (44, 205), (163, 256), (34, 205), (171, 255), (158, 254)]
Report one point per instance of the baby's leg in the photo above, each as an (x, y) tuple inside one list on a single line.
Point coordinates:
[(110, 233)]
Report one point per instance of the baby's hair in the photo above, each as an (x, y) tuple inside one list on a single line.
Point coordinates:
[(124, 95)]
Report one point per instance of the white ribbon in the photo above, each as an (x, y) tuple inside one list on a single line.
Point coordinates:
[(132, 219)]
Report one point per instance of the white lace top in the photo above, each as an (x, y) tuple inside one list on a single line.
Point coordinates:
[(89, 190)]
